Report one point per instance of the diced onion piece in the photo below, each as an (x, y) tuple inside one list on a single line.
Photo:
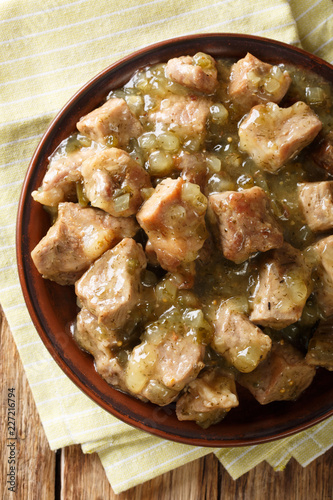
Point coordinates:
[(276, 72), (171, 288), (121, 203), (160, 163), (176, 212), (297, 289), (142, 83), (149, 102), (190, 191), (169, 142), (219, 114), (315, 95), (186, 298), (272, 85), (195, 319), (214, 163), (312, 257), (166, 291), (253, 77), (191, 194), (246, 360), (148, 141), (140, 366), (193, 144), (239, 304), (205, 61), (135, 103)]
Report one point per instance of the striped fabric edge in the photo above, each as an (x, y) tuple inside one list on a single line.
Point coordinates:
[(205, 17), (314, 21), (145, 460)]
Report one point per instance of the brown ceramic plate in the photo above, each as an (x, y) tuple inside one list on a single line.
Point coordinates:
[(52, 307)]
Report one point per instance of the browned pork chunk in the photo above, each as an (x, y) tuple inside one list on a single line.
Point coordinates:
[(208, 398), (283, 376), (193, 168), (316, 203), (322, 154), (238, 340), (324, 289), (245, 224), (110, 288), (112, 123), (283, 288), (168, 358), (113, 182), (255, 82), (78, 237), (185, 115), (61, 178), (99, 341), (320, 349), (197, 73), (174, 221), (272, 135)]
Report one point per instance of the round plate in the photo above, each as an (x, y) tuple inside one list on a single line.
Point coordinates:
[(53, 307)]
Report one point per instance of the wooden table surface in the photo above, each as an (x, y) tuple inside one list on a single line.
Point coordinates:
[(67, 474)]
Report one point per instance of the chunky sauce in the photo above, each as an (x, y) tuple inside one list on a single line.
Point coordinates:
[(183, 302)]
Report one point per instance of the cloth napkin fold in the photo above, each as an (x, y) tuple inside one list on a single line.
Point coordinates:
[(48, 50)]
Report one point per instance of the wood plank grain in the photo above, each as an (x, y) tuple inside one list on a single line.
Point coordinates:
[(314, 482), (34, 461), (83, 478)]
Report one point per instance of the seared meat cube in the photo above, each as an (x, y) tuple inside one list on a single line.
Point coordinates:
[(99, 341), (283, 376), (272, 135), (59, 183), (78, 237), (316, 202), (185, 115), (110, 288), (320, 349), (174, 220), (113, 182), (197, 73), (193, 168), (208, 398), (112, 123), (324, 289), (245, 225), (283, 288), (255, 82), (238, 340), (168, 358), (322, 153)]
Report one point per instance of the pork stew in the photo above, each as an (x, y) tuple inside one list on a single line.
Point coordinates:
[(192, 212)]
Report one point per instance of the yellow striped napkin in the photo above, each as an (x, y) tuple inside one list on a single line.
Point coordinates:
[(48, 50)]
